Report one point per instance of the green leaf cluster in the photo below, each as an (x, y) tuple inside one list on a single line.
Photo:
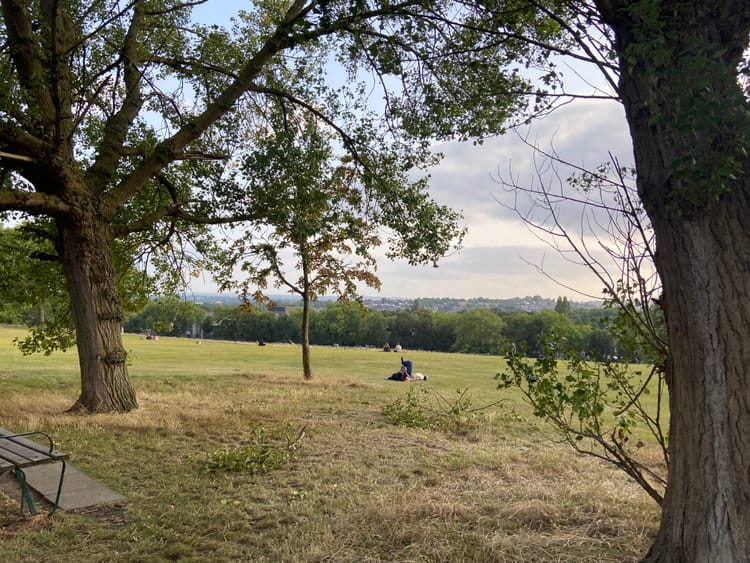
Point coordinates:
[(264, 451), (423, 407), (698, 107), (595, 406)]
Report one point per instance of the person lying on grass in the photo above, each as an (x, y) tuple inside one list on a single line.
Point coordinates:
[(403, 375)]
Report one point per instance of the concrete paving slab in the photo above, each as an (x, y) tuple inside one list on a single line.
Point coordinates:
[(79, 490)]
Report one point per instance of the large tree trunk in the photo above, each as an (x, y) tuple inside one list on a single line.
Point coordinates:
[(689, 122), (705, 265), (97, 314)]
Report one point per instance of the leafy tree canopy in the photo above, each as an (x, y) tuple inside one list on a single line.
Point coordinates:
[(120, 121)]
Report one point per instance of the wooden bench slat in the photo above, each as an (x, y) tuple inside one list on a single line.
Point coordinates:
[(20, 454), (32, 453), (30, 444), (15, 458), (19, 451)]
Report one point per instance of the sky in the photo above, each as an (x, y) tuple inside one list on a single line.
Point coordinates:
[(500, 257)]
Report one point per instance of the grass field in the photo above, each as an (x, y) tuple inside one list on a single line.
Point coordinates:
[(358, 488)]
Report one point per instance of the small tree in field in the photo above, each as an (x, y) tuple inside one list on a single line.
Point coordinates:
[(323, 213)]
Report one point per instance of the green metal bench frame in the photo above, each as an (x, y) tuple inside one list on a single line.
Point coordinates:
[(17, 453)]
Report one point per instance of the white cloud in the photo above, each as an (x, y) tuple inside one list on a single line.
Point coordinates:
[(500, 252)]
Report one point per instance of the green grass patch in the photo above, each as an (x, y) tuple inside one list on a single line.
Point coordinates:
[(357, 487)]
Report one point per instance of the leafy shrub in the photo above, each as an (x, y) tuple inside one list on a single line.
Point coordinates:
[(425, 408), (264, 451), (47, 337)]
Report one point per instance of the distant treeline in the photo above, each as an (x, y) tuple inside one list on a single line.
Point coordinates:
[(479, 331)]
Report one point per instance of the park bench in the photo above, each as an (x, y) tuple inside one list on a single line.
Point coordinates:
[(17, 452)]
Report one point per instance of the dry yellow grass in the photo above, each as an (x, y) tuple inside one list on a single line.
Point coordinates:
[(359, 488)]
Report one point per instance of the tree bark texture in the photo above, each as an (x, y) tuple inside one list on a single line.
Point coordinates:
[(97, 313), (41, 42), (688, 118), (705, 265)]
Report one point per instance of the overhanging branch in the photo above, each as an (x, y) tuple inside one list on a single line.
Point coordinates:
[(13, 156), (34, 203)]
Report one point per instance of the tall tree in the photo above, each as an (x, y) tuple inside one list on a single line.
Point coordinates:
[(689, 119), (117, 119), (325, 213), (680, 70), (562, 306)]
